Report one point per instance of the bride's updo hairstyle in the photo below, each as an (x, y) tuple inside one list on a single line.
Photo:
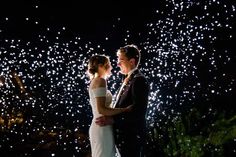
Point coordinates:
[(94, 62)]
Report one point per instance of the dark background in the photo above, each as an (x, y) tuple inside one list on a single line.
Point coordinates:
[(88, 18)]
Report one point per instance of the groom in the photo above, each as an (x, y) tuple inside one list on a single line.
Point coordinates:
[(129, 127)]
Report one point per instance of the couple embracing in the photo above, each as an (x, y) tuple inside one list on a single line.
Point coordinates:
[(118, 129)]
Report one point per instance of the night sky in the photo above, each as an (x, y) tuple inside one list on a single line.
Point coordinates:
[(91, 19), (188, 56)]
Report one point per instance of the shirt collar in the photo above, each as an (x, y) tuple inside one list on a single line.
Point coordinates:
[(131, 71)]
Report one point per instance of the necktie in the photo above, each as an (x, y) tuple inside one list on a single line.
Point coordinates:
[(120, 91), (125, 81)]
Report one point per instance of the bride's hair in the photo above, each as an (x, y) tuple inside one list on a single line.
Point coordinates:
[(94, 63)]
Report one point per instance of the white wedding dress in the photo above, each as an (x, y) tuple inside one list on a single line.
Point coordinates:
[(101, 138)]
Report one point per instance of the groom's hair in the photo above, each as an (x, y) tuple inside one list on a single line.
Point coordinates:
[(131, 51)]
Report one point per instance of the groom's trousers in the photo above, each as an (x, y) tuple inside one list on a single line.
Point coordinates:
[(129, 143)]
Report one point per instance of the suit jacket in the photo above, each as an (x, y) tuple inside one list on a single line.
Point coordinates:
[(135, 93)]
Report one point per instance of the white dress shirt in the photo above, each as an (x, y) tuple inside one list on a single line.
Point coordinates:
[(122, 86)]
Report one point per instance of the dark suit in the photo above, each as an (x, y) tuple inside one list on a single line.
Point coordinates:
[(129, 128)]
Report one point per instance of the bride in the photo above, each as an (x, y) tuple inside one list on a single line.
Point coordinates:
[(101, 138)]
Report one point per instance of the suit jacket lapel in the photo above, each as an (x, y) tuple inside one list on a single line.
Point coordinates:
[(124, 87)]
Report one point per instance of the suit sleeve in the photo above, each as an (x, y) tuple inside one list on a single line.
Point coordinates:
[(140, 91)]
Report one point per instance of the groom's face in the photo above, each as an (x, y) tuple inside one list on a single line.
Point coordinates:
[(123, 63)]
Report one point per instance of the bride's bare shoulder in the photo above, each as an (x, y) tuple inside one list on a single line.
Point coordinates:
[(98, 82)]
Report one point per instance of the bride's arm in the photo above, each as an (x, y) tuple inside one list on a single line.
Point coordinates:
[(101, 101), (107, 111)]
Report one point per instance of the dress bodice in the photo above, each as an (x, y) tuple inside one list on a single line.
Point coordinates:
[(99, 92)]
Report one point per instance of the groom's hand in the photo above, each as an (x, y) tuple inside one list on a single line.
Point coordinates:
[(104, 120)]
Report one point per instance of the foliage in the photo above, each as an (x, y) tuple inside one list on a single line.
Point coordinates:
[(182, 138)]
